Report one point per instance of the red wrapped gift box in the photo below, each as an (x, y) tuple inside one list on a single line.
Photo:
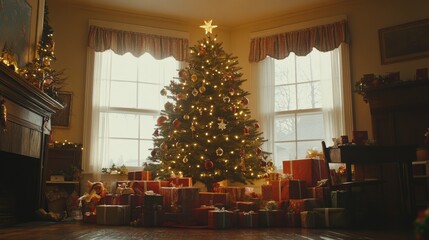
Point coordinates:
[(113, 214), (201, 214), (212, 198), (235, 193), (301, 205), (248, 219), (220, 219), (184, 198), (140, 187), (267, 192), (140, 175), (293, 219), (308, 170), (272, 218), (180, 182), (322, 194), (288, 189), (247, 206)]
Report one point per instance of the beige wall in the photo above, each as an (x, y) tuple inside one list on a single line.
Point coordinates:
[(70, 25)]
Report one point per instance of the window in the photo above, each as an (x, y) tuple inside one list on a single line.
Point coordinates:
[(303, 100), (298, 121), (130, 103)]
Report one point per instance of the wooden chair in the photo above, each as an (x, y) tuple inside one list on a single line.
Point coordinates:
[(348, 185)]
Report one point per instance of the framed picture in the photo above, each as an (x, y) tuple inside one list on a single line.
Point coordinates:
[(21, 23), (404, 42), (62, 117)]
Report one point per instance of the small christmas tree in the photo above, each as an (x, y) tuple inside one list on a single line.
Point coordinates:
[(206, 131), (39, 72)]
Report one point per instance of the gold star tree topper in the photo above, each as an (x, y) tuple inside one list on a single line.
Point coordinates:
[(208, 26)]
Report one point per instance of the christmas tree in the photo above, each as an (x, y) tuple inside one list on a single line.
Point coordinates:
[(39, 72), (206, 131)]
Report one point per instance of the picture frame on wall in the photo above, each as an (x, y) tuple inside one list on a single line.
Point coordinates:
[(62, 117), (404, 42)]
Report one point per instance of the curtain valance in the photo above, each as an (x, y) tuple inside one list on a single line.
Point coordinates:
[(324, 38), (101, 39)]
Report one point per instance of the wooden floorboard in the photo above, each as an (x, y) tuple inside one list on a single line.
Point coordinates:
[(82, 231)]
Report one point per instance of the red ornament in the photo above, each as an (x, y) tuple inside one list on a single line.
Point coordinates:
[(202, 52), (176, 123), (208, 164), (262, 163), (245, 101), (245, 131), (258, 151), (156, 132), (233, 109), (183, 74), (257, 125), (181, 96), (161, 120)]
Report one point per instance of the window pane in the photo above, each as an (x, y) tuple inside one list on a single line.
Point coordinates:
[(147, 126), (150, 97), (123, 125), (284, 128), (123, 94), (309, 95), (285, 98), (310, 126), (122, 151), (282, 152), (303, 69), (145, 146), (285, 70), (124, 67)]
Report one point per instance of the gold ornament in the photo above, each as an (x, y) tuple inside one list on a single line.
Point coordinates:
[(194, 78), (208, 27), (195, 92), (219, 151)]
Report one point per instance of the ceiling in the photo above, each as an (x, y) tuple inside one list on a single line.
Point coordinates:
[(226, 13)]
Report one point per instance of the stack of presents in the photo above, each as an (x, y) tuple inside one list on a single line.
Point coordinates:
[(294, 198)]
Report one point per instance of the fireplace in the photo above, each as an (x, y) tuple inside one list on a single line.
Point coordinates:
[(23, 140)]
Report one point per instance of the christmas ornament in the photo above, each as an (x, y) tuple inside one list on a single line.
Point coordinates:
[(245, 101), (233, 109), (257, 125), (208, 164), (183, 74), (222, 125), (161, 120), (202, 52), (163, 92), (186, 117), (194, 78), (245, 131), (208, 27), (185, 159), (226, 99), (181, 96), (176, 123), (270, 164), (195, 92), (168, 106), (202, 89), (262, 163), (153, 153), (258, 151), (163, 146), (219, 151), (231, 91)]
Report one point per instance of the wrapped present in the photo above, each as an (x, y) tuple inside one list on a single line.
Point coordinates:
[(267, 192), (308, 219), (113, 214), (124, 189), (180, 198), (136, 213), (322, 194), (153, 217), (235, 193), (220, 218), (293, 219), (112, 199), (248, 219), (247, 206), (309, 170), (180, 182), (140, 187), (332, 217), (214, 198), (301, 205), (140, 175), (274, 176), (152, 200), (274, 218), (201, 214), (288, 189), (342, 199)]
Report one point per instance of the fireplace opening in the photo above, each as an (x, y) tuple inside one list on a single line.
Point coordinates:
[(20, 186)]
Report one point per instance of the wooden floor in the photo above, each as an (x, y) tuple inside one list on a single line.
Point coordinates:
[(82, 231)]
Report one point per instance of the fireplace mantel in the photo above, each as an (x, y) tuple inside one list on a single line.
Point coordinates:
[(23, 142)]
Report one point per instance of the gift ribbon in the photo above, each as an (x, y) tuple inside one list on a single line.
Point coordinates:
[(299, 188), (249, 215)]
